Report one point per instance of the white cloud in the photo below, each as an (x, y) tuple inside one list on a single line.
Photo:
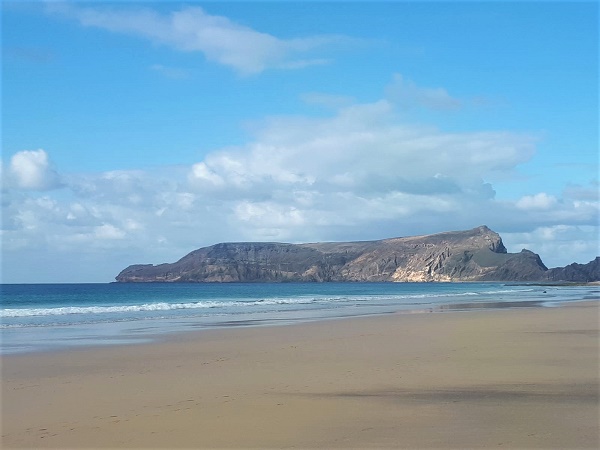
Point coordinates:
[(269, 219), (174, 73), (581, 193), (31, 170), (559, 245), (407, 94), (363, 149), (201, 174), (218, 38), (541, 201), (108, 231)]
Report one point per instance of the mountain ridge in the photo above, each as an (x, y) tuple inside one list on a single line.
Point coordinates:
[(470, 255)]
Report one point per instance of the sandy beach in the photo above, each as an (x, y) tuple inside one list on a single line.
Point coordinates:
[(512, 378)]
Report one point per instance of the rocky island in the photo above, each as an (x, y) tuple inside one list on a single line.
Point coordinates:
[(472, 255)]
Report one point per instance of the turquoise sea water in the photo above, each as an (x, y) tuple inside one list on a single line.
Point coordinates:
[(41, 317)]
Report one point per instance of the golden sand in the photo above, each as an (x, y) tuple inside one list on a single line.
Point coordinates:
[(518, 378)]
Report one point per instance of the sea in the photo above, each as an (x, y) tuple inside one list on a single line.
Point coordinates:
[(51, 317)]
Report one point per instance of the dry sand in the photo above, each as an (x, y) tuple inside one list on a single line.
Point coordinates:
[(516, 378)]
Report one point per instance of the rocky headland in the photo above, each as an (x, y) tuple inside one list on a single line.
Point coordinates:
[(472, 255)]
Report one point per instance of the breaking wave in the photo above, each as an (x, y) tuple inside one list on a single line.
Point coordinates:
[(242, 303)]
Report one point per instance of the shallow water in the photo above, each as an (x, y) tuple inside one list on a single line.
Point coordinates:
[(40, 317)]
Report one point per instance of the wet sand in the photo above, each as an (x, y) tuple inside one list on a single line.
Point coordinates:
[(513, 378)]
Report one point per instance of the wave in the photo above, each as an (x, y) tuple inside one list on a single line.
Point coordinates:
[(159, 306), (206, 304)]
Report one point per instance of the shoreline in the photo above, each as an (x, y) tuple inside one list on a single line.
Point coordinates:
[(142, 316), (120, 337), (515, 377)]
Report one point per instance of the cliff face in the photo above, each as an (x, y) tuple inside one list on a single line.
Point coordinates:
[(473, 255)]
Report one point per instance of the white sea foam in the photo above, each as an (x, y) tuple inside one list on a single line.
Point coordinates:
[(160, 306), (204, 304)]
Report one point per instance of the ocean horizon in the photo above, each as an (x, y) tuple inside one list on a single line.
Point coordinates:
[(49, 317)]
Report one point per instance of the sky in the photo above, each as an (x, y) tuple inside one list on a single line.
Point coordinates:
[(135, 132)]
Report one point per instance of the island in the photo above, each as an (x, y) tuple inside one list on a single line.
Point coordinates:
[(472, 255)]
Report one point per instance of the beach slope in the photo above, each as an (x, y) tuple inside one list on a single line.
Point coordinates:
[(513, 378)]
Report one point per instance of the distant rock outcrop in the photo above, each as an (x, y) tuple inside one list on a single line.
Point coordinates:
[(576, 273), (473, 255)]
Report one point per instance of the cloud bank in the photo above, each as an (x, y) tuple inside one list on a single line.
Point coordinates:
[(360, 173)]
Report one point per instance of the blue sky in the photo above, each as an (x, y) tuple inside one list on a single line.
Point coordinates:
[(136, 132)]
